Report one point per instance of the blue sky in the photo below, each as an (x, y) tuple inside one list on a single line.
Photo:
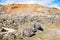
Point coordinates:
[(50, 3)]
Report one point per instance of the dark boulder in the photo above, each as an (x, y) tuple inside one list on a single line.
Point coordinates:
[(38, 26)]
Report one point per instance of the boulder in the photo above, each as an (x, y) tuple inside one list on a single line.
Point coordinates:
[(38, 26), (2, 30)]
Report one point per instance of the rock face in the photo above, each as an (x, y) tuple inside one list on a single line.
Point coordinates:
[(29, 20)]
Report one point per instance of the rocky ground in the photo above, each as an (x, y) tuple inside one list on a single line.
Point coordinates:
[(23, 26)]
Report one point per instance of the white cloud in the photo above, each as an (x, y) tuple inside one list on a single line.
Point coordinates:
[(55, 5), (43, 2)]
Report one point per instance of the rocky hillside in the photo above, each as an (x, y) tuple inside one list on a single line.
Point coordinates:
[(31, 22)]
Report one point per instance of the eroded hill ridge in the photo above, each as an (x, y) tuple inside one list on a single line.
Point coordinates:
[(28, 8)]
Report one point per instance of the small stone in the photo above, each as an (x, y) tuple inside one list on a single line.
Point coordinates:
[(1, 36), (39, 39), (1, 20), (13, 35)]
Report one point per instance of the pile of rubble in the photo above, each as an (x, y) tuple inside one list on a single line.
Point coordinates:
[(26, 24)]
